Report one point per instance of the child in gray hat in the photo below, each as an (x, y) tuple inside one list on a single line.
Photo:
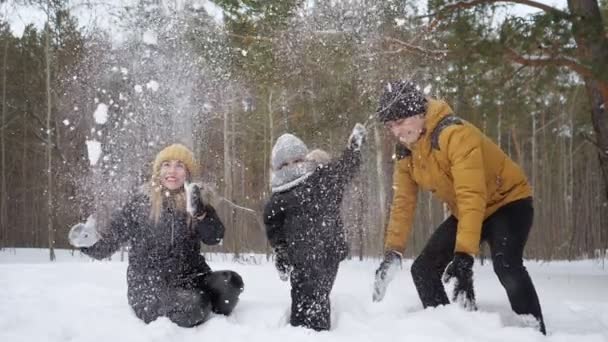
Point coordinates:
[(303, 222)]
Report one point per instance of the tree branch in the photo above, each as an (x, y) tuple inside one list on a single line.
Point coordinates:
[(425, 30), (593, 142), (9, 122), (408, 46), (44, 140), (472, 3), (249, 37), (37, 118), (416, 48), (567, 62)]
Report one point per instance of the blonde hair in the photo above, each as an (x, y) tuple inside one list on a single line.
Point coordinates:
[(160, 195)]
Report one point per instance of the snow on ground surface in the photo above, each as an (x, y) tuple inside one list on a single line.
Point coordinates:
[(77, 299)]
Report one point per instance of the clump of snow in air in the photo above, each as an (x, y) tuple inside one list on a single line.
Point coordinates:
[(207, 106), (94, 151), (150, 37), (138, 88), (101, 113), (216, 12), (564, 131), (152, 85)]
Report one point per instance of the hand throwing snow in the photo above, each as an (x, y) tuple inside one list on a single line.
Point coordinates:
[(84, 234), (357, 137)]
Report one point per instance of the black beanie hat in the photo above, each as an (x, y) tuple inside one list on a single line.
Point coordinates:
[(401, 99)]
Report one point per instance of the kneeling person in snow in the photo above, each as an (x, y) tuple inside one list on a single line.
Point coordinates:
[(487, 193), (303, 222), (167, 275)]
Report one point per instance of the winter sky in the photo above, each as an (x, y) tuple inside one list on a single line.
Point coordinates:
[(99, 13)]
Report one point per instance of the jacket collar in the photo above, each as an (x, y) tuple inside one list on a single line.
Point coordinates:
[(435, 112)]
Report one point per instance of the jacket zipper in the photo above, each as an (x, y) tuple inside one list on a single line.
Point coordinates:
[(172, 231)]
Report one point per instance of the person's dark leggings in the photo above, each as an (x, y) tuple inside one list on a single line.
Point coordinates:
[(506, 232), (188, 307), (310, 289)]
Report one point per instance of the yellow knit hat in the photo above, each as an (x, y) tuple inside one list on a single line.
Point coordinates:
[(176, 152)]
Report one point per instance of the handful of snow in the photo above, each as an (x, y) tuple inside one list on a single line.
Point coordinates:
[(194, 204), (357, 137), (84, 234)]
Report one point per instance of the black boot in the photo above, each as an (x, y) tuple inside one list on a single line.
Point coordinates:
[(189, 308), (224, 288)]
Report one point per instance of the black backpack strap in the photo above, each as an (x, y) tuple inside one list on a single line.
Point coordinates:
[(402, 152), (443, 123)]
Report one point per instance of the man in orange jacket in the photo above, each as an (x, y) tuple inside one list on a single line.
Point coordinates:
[(487, 193)]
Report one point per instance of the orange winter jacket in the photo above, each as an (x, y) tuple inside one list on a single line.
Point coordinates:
[(463, 168)]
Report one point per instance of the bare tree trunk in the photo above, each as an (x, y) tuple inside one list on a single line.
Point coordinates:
[(567, 196), (227, 161), (499, 127), (571, 173), (380, 179), (516, 146), (360, 212), (592, 47), (49, 147), (270, 120), (533, 161), (244, 236), (4, 199), (228, 175), (265, 160), (269, 149), (28, 221), (233, 217)]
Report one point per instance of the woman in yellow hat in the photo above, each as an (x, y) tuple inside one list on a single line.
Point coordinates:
[(167, 275)]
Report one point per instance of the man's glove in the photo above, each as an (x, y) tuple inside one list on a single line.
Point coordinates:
[(461, 270), (385, 273), (84, 234), (357, 137)]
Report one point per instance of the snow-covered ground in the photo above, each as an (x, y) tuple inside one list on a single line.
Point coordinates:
[(76, 299)]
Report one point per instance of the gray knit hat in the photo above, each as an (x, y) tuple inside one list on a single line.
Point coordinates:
[(288, 148), (285, 173)]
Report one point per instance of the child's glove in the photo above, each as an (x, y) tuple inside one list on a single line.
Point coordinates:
[(281, 262), (84, 234), (385, 273), (357, 137)]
